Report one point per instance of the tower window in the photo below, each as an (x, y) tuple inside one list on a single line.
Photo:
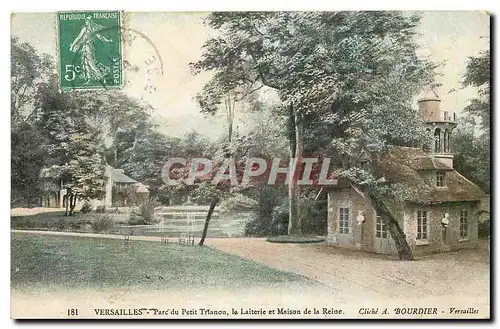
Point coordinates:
[(440, 178), (428, 141), (437, 140), (447, 140)]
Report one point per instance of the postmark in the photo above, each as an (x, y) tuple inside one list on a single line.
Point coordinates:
[(141, 68), (90, 50)]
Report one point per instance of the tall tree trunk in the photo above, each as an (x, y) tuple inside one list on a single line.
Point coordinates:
[(229, 104), (296, 150), (207, 220), (392, 224), (72, 204), (67, 201)]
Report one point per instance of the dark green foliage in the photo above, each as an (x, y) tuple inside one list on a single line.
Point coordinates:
[(146, 210), (60, 136), (472, 138), (101, 223), (100, 209), (238, 203), (28, 70), (315, 216), (484, 229), (262, 222), (343, 79), (86, 207), (135, 219), (27, 159)]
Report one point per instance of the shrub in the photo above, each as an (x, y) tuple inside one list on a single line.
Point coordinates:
[(268, 198), (101, 223), (62, 223), (275, 223), (313, 215), (146, 210), (100, 209), (279, 224), (135, 219), (484, 229), (238, 202), (86, 207)]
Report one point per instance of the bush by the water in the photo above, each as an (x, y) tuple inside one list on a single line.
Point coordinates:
[(238, 202), (275, 224), (147, 210), (313, 215), (101, 223), (144, 213), (136, 219), (100, 209), (86, 207)]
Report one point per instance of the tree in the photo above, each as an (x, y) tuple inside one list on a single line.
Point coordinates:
[(73, 146), (340, 69), (27, 159), (477, 75), (62, 136), (28, 68), (141, 152), (472, 140)]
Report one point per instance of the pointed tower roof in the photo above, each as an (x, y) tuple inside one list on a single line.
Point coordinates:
[(429, 95)]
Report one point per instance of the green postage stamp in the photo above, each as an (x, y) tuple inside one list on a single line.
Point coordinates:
[(90, 52)]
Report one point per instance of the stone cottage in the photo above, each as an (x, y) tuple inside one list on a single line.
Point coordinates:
[(120, 190), (441, 210)]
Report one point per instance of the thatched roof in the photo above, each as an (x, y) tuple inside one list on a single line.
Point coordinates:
[(405, 166), (118, 176), (141, 188)]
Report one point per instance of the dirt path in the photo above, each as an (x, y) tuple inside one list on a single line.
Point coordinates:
[(463, 274)]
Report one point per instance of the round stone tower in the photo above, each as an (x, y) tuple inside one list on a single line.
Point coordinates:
[(439, 127)]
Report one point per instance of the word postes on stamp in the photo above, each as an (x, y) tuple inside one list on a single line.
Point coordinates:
[(90, 50)]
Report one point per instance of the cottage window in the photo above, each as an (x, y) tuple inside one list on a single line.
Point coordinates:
[(422, 225), (380, 228), (464, 225), (440, 178), (344, 220)]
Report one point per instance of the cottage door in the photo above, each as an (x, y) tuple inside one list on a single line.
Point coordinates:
[(382, 241)]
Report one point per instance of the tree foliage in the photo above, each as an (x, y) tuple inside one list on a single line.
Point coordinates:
[(28, 68), (472, 139), (345, 80), (478, 75), (59, 136)]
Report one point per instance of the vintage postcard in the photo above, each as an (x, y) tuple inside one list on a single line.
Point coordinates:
[(250, 165)]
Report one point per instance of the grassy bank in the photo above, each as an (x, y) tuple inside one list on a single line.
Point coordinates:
[(44, 260)]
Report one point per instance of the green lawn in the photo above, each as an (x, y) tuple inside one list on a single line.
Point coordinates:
[(79, 262)]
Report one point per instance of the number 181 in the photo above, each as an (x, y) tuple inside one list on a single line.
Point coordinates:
[(72, 311)]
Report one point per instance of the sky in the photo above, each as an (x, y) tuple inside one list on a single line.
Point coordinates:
[(170, 41)]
